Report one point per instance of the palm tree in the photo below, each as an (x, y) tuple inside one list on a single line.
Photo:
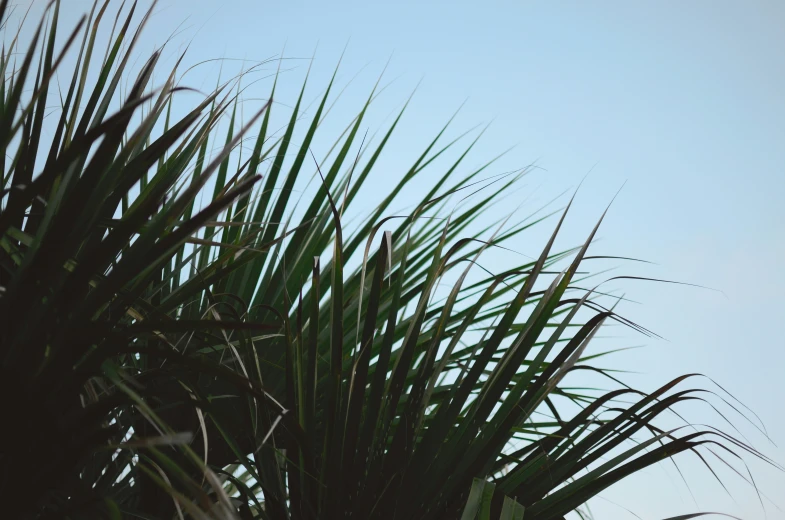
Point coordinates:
[(251, 357)]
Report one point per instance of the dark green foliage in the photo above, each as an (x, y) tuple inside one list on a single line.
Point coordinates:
[(241, 359)]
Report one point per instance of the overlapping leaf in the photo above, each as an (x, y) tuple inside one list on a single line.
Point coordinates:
[(248, 356)]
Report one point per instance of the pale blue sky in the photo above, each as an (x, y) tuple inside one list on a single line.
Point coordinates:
[(683, 100)]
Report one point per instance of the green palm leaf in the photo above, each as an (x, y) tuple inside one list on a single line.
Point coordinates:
[(253, 355)]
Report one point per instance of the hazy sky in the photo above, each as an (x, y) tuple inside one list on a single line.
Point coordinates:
[(683, 100)]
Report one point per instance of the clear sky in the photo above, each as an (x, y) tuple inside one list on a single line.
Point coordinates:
[(683, 100)]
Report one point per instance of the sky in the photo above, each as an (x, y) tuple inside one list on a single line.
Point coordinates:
[(680, 104)]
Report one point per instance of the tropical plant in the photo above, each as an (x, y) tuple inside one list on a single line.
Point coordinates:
[(251, 357)]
